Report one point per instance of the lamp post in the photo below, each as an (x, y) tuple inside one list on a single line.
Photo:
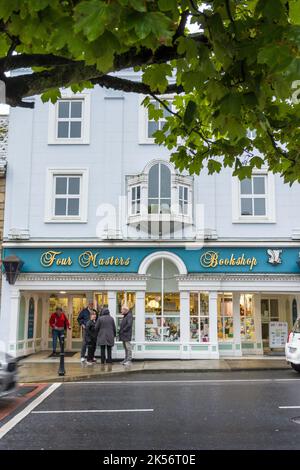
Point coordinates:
[(12, 266)]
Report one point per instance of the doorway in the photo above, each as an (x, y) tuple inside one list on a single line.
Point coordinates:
[(269, 313)]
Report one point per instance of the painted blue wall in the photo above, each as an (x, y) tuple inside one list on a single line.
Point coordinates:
[(252, 260)]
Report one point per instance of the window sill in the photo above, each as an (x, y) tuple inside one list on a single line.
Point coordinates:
[(254, 220), (68, 142), (65, 221), (134, 219)]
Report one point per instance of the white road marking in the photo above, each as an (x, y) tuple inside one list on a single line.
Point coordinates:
[(94, 411), (20, 416), (288, 407), (203, 381)]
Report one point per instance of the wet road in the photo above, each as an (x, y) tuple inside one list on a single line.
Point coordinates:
[(240, 410)]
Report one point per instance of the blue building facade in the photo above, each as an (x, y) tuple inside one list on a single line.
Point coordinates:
[(96, 212)]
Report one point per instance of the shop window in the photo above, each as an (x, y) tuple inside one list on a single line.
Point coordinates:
[(225, 317), (199, 317), (101, 301), (247, 318), (125, 298), (78, 304), (269, 312), (162, 303)]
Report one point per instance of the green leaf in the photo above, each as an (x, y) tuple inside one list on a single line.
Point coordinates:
[(156, 77), (51, 95)]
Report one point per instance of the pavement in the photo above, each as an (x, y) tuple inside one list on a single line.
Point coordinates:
[(40, 368)]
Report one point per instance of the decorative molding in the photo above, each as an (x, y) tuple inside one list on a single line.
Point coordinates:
[(239, 277), (81, 277)]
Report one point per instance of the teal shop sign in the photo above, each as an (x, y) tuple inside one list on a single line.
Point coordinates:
[(128, 260)]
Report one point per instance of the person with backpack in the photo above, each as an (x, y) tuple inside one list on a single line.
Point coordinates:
[(59, 323)]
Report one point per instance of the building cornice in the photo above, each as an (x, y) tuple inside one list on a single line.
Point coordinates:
[(221, 277), (80, 277)]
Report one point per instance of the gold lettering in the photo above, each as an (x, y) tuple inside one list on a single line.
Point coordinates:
[(87, 258), (47, 259)]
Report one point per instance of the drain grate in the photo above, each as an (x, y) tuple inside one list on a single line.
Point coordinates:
[(296, 420)]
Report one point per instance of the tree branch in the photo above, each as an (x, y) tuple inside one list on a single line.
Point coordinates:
[(122, 84)]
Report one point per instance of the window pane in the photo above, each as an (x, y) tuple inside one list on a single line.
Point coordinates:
[(194, 329), (171, 329), (138, 192), (246, 206), (138, 207), (153, 206), (185, 193), (60, 206), (165, 206), (75, 129), (165, 181), (73, 206), (204, 303), (152, 127), (63, 130), (61, 185), (74, 185), (133, 194), (259, 185), (76, 109), (166, 112), (259, 206), (246, 186), (180, 192), (153, 182), (204, 330), (63, 109)]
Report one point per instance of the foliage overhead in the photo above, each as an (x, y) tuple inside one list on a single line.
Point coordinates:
[(238, 72)]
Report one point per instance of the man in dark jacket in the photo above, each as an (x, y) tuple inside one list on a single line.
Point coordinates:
[(82, 319), (125, 334), (106, 329)]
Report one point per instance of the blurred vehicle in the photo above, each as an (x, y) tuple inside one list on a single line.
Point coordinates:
[(8, 374), (292, 347)]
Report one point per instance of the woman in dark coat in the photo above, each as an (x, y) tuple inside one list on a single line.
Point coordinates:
[(106, 329)]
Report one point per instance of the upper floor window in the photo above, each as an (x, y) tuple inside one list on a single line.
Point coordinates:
[(147, 126), (66, 195), (135, 200), (253, 195), (69, 120), (253, 199), (183, 199), (159, 189)]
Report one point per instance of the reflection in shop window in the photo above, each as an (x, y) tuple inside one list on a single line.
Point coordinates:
[(225, 316), (247, 318), (78, 303), (128, 299), (101, 301), (199, 317), (162, 317)]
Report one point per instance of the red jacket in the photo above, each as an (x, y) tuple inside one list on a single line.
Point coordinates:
[(59, 321)]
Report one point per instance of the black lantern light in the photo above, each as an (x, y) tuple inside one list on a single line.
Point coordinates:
[(12, 267)]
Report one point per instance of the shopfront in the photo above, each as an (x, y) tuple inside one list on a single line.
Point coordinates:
[(186, 303)]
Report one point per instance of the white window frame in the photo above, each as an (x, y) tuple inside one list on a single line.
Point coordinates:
[(143, 120), (50, 195), (135, 201), (183, 186), (270, 216), (53, 119)]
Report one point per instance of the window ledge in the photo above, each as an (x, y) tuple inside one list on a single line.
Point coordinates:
[(254, 220), (133, 219)]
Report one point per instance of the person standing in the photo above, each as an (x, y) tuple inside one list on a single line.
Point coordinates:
[(58, 322), (106, 329), (91, 337), (83, 318), (125, 334)]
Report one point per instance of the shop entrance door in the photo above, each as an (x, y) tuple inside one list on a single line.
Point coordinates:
[(74, 337), (269, 312)]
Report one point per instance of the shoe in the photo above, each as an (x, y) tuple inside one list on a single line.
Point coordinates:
[(94, 360), (89, 363), (82, 359), (53, 354), (127, 363), (123, 362)]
